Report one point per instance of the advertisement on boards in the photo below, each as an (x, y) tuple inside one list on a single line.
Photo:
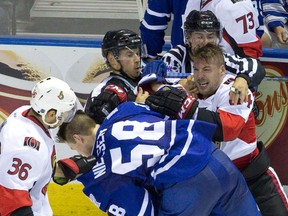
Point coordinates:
[(81, 65)]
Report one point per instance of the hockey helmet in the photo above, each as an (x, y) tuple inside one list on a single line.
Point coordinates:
[(154, 71), (201, 21), (116, 40), (53, 93)]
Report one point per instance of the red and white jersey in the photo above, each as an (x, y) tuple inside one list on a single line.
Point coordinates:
[(239, 22), (239, 129), (27, 157)]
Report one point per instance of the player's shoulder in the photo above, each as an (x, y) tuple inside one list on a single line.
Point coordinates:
[(136, 112), (178, 49)]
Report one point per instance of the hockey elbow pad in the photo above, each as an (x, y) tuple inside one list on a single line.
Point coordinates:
[(73, 166), (174, 103)]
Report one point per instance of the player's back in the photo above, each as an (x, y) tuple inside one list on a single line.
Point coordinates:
[(136, 138)]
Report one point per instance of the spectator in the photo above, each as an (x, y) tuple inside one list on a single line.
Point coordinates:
[(200, 28)]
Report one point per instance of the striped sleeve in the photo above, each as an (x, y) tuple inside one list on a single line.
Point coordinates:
[(249, 68), (275, 13)]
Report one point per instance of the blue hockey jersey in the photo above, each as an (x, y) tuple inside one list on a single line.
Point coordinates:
[(137, 148), (275, 13)]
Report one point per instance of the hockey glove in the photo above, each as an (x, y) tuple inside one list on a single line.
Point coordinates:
[(105, 102), (174, 103), (73, 166)]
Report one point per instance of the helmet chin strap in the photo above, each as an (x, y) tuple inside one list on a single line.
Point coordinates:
[(121, 70), (50, 125)]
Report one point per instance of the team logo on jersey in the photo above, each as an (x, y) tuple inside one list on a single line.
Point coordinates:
[(61, 95), (32, 142)]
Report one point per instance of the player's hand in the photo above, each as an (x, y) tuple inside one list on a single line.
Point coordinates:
[(190, 86), (239, 91), (141, 96), (173, 102), (281, 34), (78, 164)]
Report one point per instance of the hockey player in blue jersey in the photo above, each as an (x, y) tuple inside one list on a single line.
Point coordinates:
[(137, 149)]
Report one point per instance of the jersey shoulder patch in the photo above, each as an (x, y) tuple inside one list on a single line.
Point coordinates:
[(32, 142)]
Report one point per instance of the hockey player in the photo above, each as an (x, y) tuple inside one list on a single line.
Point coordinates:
[(28, 152), (236, 130), (276, 17), (238, 18), (122, 51), (200, 28), (139, 150)]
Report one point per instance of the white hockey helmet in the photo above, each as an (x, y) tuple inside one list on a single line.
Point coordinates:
[(53, 93)]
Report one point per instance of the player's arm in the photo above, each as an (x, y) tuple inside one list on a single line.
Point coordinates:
[(174, 59), (176, 103), (68, 169), (274, 13), (248, 68), (153, 26), (100, 106), (250, 73)]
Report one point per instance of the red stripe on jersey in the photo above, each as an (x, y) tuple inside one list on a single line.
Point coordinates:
[(248, 133), (232, 125), (242, 162), (278, 187), (13, 199), (253, 49)]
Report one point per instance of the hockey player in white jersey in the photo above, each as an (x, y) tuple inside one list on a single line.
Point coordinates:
[(236, 129), (28, 152), (200, 28), (238, 18)]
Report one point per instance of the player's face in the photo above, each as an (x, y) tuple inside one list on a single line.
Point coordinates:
[(130, 62), (208, 77), (199, 39)]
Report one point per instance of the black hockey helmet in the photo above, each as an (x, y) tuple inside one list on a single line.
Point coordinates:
[(201, 21), (116, 40)]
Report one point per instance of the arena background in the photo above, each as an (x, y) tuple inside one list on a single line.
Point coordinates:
[(79, 62)]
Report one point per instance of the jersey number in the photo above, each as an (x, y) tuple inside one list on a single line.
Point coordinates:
[(144, 130), (248, 22), (20, 169)]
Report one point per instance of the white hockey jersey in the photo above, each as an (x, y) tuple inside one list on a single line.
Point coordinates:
[(239, 129), (27, 157), (239, 22)]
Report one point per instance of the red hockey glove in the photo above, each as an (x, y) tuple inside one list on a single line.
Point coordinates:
[(174, 103)]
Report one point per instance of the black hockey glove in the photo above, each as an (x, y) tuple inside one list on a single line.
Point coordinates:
[(105, 102), (73, 166), (174, 103)]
